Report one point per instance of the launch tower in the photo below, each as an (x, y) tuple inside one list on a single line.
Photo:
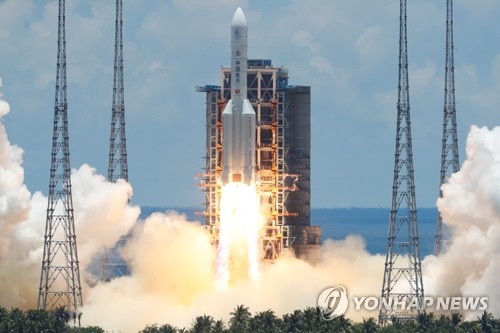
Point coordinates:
[(60, 274), (283, 140), (402, 282), (449, 151)]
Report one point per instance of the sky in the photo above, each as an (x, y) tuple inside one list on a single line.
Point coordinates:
[(347, 51)]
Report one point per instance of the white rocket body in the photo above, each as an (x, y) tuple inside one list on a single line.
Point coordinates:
[(238, 118)]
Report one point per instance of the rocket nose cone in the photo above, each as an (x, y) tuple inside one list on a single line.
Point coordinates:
[(239, 19)]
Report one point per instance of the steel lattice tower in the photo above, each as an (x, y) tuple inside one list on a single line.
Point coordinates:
[(117, 167), (402, 283), (111, 264), (449, 151), (60, 275)]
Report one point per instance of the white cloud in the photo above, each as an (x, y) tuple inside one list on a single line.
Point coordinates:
[(481, 91), (421, 77), (372, 45), (305, 39), (322, 64), (154, 66)]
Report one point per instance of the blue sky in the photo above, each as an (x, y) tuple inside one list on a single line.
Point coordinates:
[(347, 51)]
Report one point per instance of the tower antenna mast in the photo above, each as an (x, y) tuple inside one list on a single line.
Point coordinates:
[(60, 274), (449, 151), (111, 265), (402, 282), (117, 167)]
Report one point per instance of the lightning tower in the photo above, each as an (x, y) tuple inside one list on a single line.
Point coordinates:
[(117, 144), (60, 274), (402, 284), (111, 264), (449, 151)]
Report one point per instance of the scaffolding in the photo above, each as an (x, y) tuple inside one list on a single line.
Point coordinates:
[(273, 101)]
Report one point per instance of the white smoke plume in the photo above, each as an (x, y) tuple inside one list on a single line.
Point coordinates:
[(471, 207), (172, 261), (103, 217), (14, 196)]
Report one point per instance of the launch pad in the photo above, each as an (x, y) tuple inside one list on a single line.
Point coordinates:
[(282, 159)]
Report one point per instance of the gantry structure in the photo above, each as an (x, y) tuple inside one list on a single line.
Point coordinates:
[(402, 282), (282, 154), (112, 265), (60, 273), (449, 149)]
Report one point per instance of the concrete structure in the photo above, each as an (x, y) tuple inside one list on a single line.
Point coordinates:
[(283, 141)]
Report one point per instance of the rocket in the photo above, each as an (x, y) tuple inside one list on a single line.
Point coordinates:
[(238, 117)]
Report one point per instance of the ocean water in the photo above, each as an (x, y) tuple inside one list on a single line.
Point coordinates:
[(372, 224), (336, 223)]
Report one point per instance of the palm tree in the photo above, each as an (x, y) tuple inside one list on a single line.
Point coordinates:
[(443, 323), (37, 320), (369, 325), (456, 319), (470, 327), (202, 324), (294, 322), (16, 321), (425, 321), (486, 320), (219, 327), (340, 324), (397, 323), (388, 328), (239, 320), (265, 322), (150, 329), (4, 314), (168, 329), (312, 319), (61, 314)]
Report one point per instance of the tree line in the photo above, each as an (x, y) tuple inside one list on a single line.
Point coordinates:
[(241, 320), (38, 321)]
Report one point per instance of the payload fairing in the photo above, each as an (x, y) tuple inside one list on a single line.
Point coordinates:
[(238, 117)]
